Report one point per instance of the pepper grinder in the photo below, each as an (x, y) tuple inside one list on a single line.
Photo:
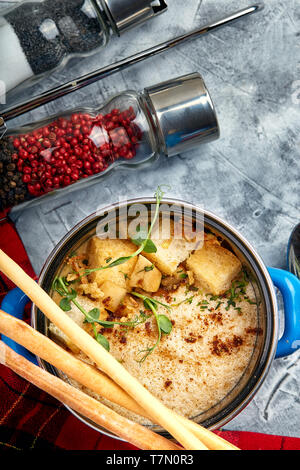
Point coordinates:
[(131, 129), (38, 37)]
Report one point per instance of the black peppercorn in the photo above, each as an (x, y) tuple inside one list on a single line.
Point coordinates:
[(12, 189), (11, 166), (53, 30)]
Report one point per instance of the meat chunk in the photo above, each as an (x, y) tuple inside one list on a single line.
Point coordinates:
[(113, 295), (170, 251), (145, 275), (214, 268), (101, 252)]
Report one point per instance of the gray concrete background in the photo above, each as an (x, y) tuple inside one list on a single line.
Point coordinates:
[(250, 177)]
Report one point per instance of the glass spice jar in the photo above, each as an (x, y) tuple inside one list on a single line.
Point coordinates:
[(80, 145), (37, 37)]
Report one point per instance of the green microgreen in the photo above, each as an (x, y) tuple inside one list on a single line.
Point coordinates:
[(146, 245), (143, 241), (101, 339), (147, 269), (236, 290), (193, 288), (183, 276), (189, 300), (164, 324), (214, 297), (60, 285), (151, 299), (236, 293), (125, 275)]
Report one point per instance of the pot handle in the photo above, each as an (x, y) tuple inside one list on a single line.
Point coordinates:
[(14, 303), (289, 286)]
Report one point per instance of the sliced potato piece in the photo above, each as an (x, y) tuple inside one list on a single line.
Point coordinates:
[(113, 295), (145, 275), (102, 252), (214, 268)]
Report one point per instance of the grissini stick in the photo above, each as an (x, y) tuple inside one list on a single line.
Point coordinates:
[(88, 376), (137, 435), (211, 440), (51, 352), (103, 359)]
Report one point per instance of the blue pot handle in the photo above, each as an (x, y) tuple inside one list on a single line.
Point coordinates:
[(14, 303), (289, 286)]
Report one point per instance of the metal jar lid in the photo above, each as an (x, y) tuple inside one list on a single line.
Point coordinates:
[(183, 113), (125, 14)]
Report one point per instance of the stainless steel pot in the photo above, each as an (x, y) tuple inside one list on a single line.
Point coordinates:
[(263, 280)]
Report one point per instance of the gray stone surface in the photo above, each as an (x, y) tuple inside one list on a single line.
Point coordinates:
[(250, 176)]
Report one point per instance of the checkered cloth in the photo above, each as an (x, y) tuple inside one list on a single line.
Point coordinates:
[(31, 419)]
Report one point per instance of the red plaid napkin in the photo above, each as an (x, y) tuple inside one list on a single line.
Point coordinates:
[(31, 419)]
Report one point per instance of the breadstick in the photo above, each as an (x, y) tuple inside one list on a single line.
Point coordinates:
[(211, 440), (137, 435), (78, 370), (88, 376), (104, 360)]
